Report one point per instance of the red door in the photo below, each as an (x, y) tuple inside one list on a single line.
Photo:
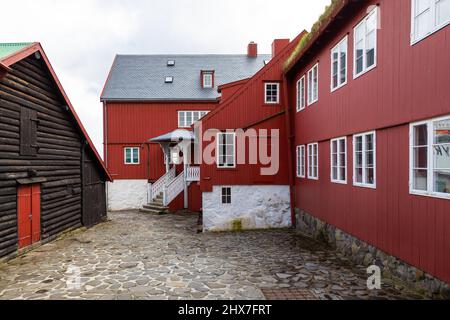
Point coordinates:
[(29, 214)]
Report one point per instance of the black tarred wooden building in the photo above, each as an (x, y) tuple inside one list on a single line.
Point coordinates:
[(51, 177)]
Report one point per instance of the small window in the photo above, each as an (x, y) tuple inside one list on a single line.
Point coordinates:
[(208, 81), (339, 64), (28, 132), (187, 118), (171, 63), (226, 195), (301, 162), (272, 93), (428, 16), (313, 84), (131, 155), (430, 158), (301, 99), (364, 160), (365, 45), (313, 161), (169, 80), (226, 150), (339, 160)]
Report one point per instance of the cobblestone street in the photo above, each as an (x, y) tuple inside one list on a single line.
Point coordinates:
[(138, 256)]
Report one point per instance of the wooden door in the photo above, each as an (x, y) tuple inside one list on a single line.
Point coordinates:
[(29, 214)]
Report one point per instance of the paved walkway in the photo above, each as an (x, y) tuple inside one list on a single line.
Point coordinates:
[(138, 256)]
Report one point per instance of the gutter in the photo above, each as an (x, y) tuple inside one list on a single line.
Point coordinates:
[(290, 144)]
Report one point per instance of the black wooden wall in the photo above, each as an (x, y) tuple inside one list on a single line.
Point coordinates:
[(39, 139)]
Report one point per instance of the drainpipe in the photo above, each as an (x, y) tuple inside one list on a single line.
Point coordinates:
[(290, 143)]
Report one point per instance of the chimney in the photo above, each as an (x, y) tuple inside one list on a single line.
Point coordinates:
[(278, 45), (252, 50)]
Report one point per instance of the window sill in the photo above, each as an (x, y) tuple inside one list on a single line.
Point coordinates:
[(312, 102), (338, 87), (272, 104), (415, 41), (313, 179), (300, 110), (356, 76), (367, 186), (227, 168), (339, 182), (430, 195)]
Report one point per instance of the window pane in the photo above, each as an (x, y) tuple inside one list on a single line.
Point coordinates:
[(370, 49), (422, 24), (420, 157), (441, 156), (442, 11), (358, 175), (182, 120), (358, 160), (343, 71), (128, 155), (370, 178), (135, 155), (369, 159), (421, 135), (442, 131), (342, 160), (420, 180), (335, 173), (442, 181), (342, 173), (358, 143), (369, 142), (188, 118)]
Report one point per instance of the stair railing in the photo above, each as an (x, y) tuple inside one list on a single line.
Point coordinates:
[(158, 187), (173, 189)]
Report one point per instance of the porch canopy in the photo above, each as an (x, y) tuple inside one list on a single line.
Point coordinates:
[(169, 139)]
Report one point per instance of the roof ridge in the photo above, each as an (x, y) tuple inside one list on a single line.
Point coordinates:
[(190, 55)]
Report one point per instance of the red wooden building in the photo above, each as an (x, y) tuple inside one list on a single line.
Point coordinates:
[(372, 130), (146, 96)]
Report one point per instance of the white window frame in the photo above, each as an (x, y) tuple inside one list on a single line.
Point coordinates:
[(301, 94), (222, 196), (364, 184), (301, 161), (339, 51), (310, 85), (211, 76), (266, 84), (311, 163), (430, 168), (218, 154), (133, 149), (365, 68), (433, 26), (340, 180), (185, 124)]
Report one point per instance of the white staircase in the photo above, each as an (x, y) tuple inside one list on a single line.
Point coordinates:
[(167, 188)]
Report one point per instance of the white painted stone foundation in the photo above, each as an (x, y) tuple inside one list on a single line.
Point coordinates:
[(252, 207), (127, 194)]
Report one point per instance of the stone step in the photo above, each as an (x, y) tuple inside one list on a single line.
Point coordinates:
[(155, 206), (151, 211)]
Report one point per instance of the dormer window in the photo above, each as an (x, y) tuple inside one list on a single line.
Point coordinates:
[(169, 80), (208, 79), (171, 63)]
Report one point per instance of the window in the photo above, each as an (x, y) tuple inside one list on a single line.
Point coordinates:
[(313, 161), (301, 162), (28, 132), (169, 80), (339, 64), (131, 155), (272, 92), (170, 63), (364, 160), (187, 118), (226, 150), (339, 160), (365, 46), (208, 79), (430, 158), (226, 195), (313, 84), (428, 16), (301, 103)]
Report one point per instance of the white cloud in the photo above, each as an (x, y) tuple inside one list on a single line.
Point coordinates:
[(81, 37)]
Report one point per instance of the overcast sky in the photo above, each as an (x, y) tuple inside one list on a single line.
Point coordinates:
[(81, 37)]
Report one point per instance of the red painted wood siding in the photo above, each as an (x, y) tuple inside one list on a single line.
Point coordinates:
[(131, 125), (409, 83)]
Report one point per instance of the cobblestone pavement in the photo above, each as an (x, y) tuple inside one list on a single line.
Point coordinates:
[(138, 256)]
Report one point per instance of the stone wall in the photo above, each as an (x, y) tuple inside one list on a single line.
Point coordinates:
[(364, 254), (252, 207), (127, 194)]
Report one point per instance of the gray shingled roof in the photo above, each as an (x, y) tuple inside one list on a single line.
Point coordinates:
[(142, 77)]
